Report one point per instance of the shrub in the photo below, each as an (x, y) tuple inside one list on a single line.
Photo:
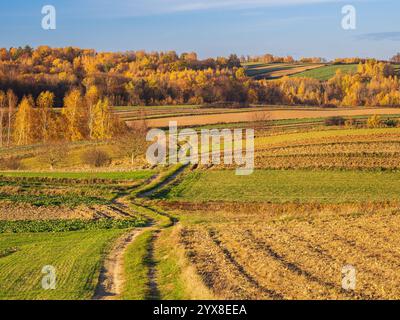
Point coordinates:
[(96, 158), (391, 123), (329, 106), (335, 121), (374, 122), (10, 163)]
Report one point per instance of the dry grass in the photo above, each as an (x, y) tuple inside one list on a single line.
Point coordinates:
[(372, 151), (294, 251)]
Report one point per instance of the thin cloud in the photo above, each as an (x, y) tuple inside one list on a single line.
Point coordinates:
[(215, 4), (151, 7), (380, 36)]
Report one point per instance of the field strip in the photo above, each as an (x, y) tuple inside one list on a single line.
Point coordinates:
[(272, 115)]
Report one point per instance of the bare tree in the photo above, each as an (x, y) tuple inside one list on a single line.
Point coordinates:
[(12, 103), (261, 119), (134, 143), (55, 152), (2, 110)]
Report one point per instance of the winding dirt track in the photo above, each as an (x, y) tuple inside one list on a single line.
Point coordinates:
[(111, 279), (274, 114)]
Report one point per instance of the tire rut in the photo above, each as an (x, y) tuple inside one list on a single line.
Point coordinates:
[(154, 292)]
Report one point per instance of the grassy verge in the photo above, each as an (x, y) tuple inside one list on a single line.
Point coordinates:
[(136, 268), (176, 278)]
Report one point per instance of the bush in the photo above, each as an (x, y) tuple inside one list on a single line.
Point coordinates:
[(329, 106), (391, 123), (96, 158), (374, 122), (335, 121), (10, 163), (351, 123)]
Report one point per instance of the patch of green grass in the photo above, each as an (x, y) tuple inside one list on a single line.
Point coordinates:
[(35, 226), (76, 257), (136, 268), (131, 175), (169, 275), (287, 186), (43, 200), (162, 220), (327, 72), (158, 181)]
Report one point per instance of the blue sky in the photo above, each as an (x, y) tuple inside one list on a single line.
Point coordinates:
[(209, 27)]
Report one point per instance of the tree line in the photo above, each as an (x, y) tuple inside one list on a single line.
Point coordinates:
[(373, 84), (83, 117)]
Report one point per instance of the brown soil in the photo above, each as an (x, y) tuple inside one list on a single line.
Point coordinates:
[(21, 211), (284, 114)]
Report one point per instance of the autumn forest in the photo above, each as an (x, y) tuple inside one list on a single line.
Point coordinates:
[(51, 94)]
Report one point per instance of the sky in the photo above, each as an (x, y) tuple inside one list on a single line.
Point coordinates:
[(209, 27)]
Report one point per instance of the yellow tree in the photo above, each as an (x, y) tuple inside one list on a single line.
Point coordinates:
[(92, 97), (102, 121), (23, 127), (74, 113), (44, 104)]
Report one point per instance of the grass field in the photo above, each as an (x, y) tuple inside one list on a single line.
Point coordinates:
[(322, 72), (288, 186), (58, 219), (277, 70), (75, 255), (326, 72)]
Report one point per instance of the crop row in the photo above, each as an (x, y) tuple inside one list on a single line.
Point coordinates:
[(39, 200), (35, 226)]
